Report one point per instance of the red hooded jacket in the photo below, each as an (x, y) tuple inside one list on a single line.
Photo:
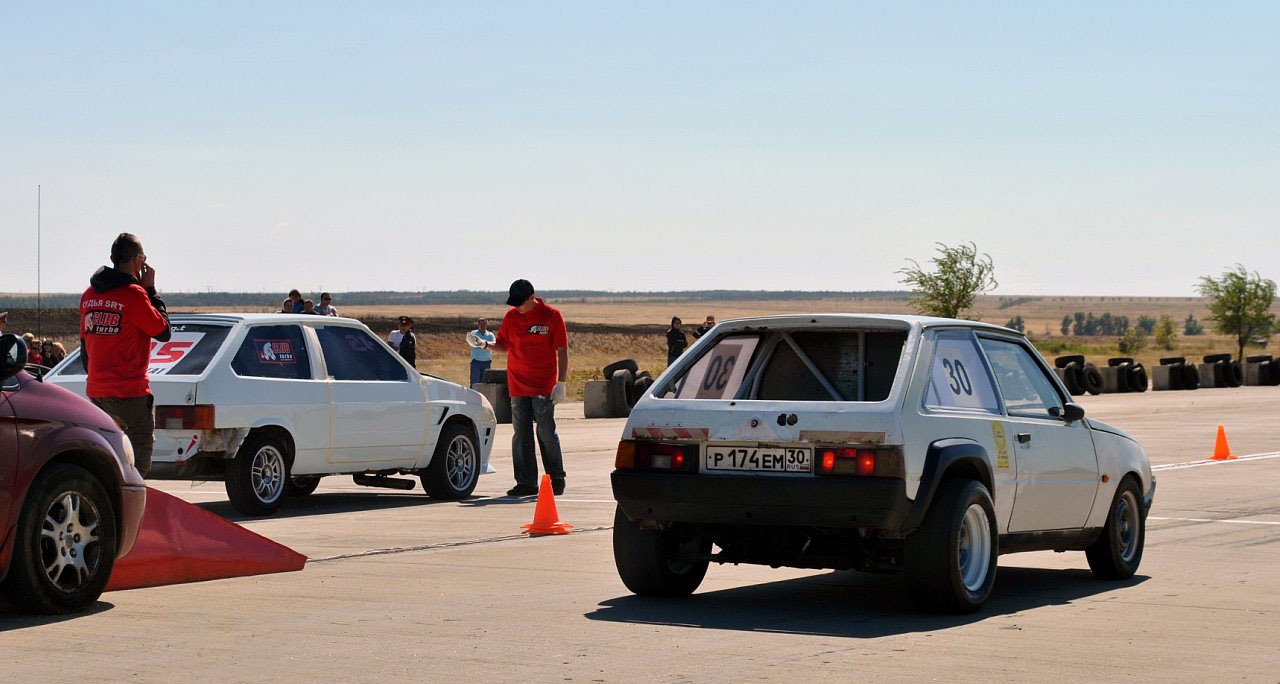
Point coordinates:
[(118, 319)]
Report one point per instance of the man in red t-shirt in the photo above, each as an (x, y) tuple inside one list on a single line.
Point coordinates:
[(537, 345), (120, 314)]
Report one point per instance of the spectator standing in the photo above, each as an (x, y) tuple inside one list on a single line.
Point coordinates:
[(534, 337), (293, 304), (120, 314), (393, 337), (52, 356), (481, 358), (309, 308), (33, 349), (705, 327), (326, 307), (677, 342), (408, 344)]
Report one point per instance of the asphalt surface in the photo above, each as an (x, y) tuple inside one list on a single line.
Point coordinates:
[(401, 588)]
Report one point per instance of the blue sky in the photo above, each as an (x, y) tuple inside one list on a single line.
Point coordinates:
[(1091, 149)]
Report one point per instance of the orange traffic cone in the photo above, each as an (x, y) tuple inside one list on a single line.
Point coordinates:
[(545, 518), (179, 542), (1222, 450)]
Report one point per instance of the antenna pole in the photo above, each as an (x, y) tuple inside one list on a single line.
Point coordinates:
[(39, 329)]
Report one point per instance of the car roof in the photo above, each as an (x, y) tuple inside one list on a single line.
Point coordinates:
[(233, 318), (859, 320)]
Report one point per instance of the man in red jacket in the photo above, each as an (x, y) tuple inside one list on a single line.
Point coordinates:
[(537, 345), (120, 314)]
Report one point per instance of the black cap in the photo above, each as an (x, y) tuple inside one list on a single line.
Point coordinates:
[(406, 319), (520, 291)]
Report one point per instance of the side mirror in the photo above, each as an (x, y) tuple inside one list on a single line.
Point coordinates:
[(1072, 412), (13, 355)]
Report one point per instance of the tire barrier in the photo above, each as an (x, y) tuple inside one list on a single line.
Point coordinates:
[(629, 364), (1093, 381), (1174, 373), (623, 385), (496, 376), (498, 396), (620, 392), (1123, 374), (595, 399), (1219, 370), (1261, 370)]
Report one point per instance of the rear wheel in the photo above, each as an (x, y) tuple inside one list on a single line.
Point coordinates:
[(1118, 550), (65, 544), (256, 477), (951, 559), (455, 466), (657, 562)]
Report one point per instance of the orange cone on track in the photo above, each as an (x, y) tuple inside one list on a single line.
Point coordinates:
[(179, 542), (1222, 450), (545, 518)]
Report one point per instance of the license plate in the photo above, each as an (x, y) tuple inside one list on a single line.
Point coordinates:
[(758, 459)]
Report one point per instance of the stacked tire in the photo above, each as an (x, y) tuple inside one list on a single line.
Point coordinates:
[(1123, 374), (623, 385), (1261, 369), (1219, 370), (1175, 373), (1078, 375), (493, 385)]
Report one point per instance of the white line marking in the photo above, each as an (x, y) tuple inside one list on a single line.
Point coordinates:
[(1211, 520), (1207, 462)]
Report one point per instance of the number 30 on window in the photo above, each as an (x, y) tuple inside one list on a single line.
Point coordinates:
[(958, 377)]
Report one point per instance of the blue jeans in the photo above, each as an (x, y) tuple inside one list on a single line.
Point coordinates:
[(525, 412), (477, 371)]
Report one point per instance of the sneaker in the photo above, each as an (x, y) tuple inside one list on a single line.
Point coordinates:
[(522, 490), (557, 486)]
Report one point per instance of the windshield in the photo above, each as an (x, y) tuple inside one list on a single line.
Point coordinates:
[(188, 352)]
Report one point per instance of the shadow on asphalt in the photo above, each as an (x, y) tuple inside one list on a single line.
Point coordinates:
[(11, 619), (849, 604), (333, 503)]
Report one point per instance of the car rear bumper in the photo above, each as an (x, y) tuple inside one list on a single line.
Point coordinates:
[(868, 503), (133, 503)]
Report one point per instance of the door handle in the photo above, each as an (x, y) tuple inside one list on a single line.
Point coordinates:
[(1024, 438)]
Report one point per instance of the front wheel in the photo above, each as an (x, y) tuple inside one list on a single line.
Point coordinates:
[(455, 466), (951, 559), (1118, 550), (657, 562), (65, 545), (256, 477)]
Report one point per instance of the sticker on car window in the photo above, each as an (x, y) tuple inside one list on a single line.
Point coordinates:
[(166, 355), (959, 378), (278, 352)]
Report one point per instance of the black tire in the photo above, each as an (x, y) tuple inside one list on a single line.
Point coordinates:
[(1220, 371), (1190, 376), (494, 376), (1173, 360), (1138, 380), (1258, 358), (68, 574), (1234, 373), (642, 374), (455, 466), (1214, 358), (256, 477), (1117, 552), (1063, 361), (655, 562), (620, 386), (1073, 378), (1119, 360), (302, 485), (1092, 380), (1273, 373), (629, 364), (642, 386), (941, 572)]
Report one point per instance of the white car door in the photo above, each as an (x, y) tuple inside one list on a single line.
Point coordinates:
[(1057, 465), (378, 408)]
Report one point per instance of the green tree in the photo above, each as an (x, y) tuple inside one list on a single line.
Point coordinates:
[(1148, 324), (1066, 324), (960, 275), (1166, 332), (1133, 341), (1191, 326), (1017, 323), (1241, 305)]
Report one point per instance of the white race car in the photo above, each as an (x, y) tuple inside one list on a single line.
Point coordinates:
[(880, 443), (270, 403)]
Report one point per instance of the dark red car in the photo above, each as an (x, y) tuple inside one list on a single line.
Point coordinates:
[(70, 499)]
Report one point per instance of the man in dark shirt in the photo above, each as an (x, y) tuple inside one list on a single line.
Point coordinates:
[(676, 341), (705, 327), (408, 346)]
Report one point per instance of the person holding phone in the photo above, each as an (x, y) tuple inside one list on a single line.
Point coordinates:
[(120, 314)]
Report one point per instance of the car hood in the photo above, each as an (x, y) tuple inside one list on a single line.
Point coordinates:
[(49, 402), (1103, 427)]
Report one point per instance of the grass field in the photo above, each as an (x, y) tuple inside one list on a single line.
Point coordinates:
[(605, 329)]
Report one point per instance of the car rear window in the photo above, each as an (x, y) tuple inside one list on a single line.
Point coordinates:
[(273, 351), (801, 365), (187, 352)]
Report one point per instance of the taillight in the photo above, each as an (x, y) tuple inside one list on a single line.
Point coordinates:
[(184, 417), (646, 455), (859, 462)]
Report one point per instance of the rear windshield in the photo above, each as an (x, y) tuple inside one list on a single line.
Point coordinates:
[(188, 352), (801, 365)]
